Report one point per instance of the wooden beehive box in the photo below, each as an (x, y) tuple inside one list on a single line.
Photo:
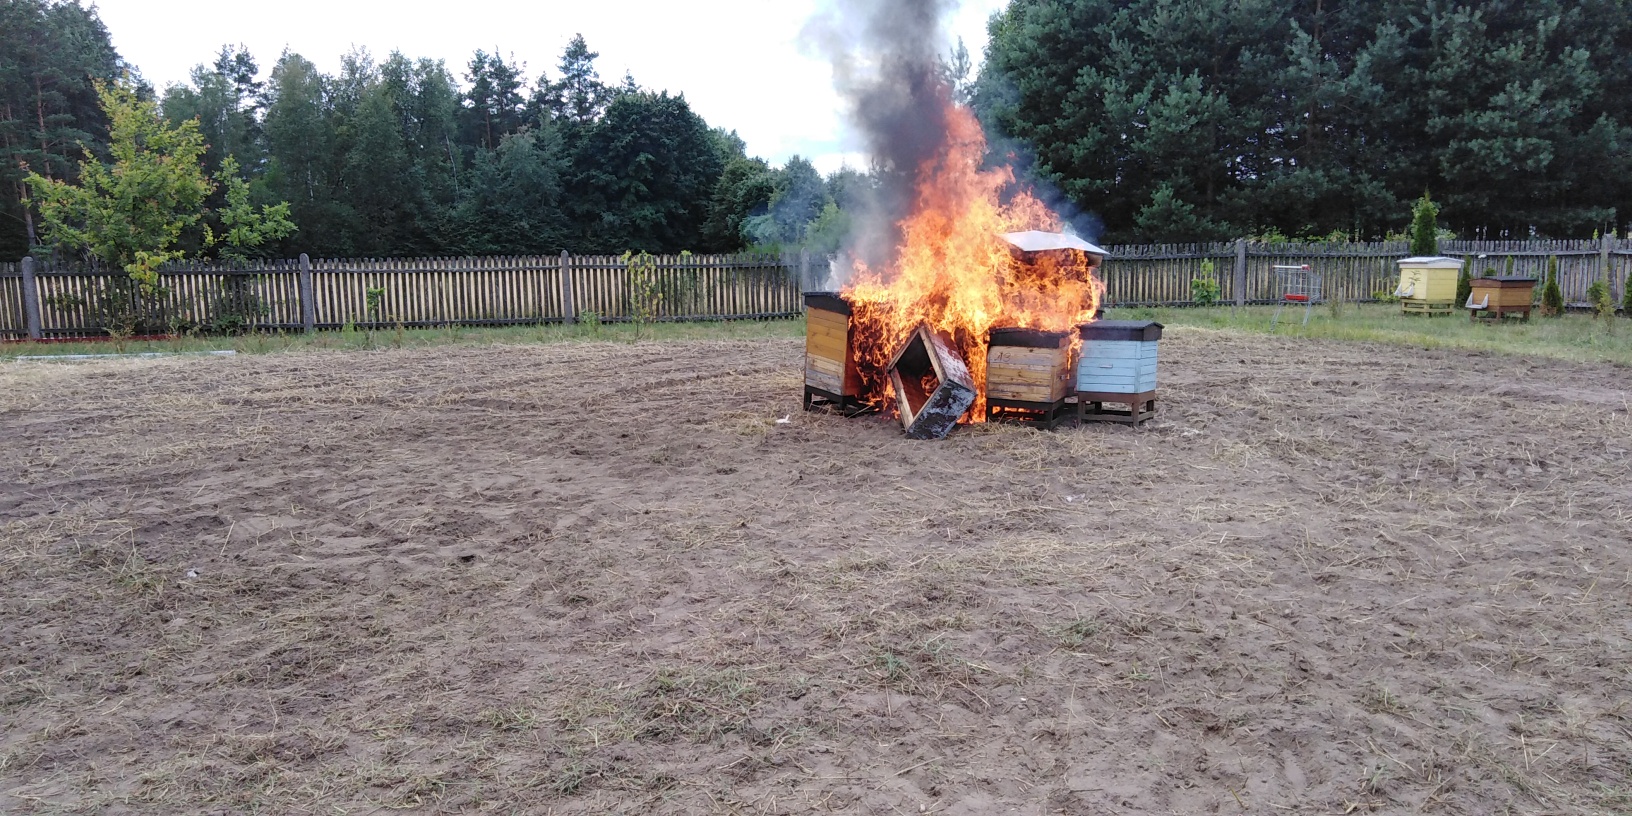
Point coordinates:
[(1505, 293), (1118, 358), (1496, 298), (1428, 280), (1029, 366), (830, 369)]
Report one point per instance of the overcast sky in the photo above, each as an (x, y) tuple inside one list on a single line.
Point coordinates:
[(740, 63)]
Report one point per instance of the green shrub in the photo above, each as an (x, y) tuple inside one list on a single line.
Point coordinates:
[(1552, 297), (1424, 230), (1205, 289), (1626, 297), (1598, 295), (1464, 284)]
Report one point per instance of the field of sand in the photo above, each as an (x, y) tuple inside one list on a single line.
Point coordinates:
[(596, 578)]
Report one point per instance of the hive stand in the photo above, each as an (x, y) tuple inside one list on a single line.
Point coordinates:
[(1140, 407)]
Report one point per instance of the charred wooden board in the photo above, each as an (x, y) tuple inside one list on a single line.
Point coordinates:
[(933, 386)]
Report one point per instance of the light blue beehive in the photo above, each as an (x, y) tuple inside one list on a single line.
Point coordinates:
[(1118, 357)]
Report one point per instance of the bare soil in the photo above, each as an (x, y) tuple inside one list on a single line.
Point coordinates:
[(603, 578)]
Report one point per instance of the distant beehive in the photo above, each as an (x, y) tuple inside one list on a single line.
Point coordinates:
[(1118, 365), (1499, 297), (1428, 284)]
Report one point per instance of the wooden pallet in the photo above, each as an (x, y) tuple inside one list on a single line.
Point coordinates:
[(1091, 407), (1495, 314), (818, 399), (1045, 415), (1431, 309)]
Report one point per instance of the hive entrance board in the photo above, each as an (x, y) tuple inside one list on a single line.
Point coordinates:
[(933, 387)]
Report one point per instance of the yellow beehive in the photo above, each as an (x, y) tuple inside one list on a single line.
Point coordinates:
[(1428, 281)]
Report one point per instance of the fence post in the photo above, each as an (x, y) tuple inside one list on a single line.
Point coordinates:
[(1605, 244), (308, 303), (569, 310), (31, 299), (1240, 284)]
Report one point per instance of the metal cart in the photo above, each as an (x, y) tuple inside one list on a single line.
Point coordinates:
[(1299, 285)]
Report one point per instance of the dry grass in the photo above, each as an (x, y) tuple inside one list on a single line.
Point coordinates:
[(592, 578)]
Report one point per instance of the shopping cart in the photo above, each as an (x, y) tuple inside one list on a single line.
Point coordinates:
[(1298, 284)]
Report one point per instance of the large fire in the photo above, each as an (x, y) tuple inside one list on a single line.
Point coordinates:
[(955, 273)]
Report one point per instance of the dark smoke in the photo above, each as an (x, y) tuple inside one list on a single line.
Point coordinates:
[(887, 64)]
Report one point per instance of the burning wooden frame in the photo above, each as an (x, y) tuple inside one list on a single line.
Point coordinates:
[(1028, 375), (933, 386)]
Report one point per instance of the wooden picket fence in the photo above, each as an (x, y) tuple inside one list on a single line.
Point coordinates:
[(304, 295)]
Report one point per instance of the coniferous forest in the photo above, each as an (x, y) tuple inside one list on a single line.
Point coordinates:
[(1160, 121)]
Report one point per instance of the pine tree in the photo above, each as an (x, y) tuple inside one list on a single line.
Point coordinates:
[(1424, 228), (1464, 284), (1552, 297)]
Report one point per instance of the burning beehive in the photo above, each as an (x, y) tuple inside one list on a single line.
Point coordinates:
[(966, 248), (832, 379), (1118, 366), (932, 385), (1028, 375)]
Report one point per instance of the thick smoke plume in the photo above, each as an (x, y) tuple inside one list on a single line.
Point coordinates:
[(887, 64)]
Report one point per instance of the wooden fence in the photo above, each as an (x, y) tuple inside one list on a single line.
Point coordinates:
[(304, 295), (1245, 272)]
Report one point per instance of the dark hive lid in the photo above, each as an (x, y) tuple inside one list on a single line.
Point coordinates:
[(1121, 330), (827, 302), (1030, 338)]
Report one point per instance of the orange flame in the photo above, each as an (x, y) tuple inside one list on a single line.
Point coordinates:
[(954, 272)]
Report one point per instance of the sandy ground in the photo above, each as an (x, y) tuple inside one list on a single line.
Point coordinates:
[(601, 578)]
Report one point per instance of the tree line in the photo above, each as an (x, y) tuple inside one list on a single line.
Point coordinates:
[(1208, 119), (1164, 121), (400, 157)]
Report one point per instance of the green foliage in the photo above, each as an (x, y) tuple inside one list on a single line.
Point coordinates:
[(1603, 305), (1204, 291), (1552, 298), (130, 215), (1424, 228), (375, 298), (1385, 296), (133, 215), (1311, 117), (643, 174), (1626, 296), (242, 227), (645, 290), (1464, 283), (51, 55)]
